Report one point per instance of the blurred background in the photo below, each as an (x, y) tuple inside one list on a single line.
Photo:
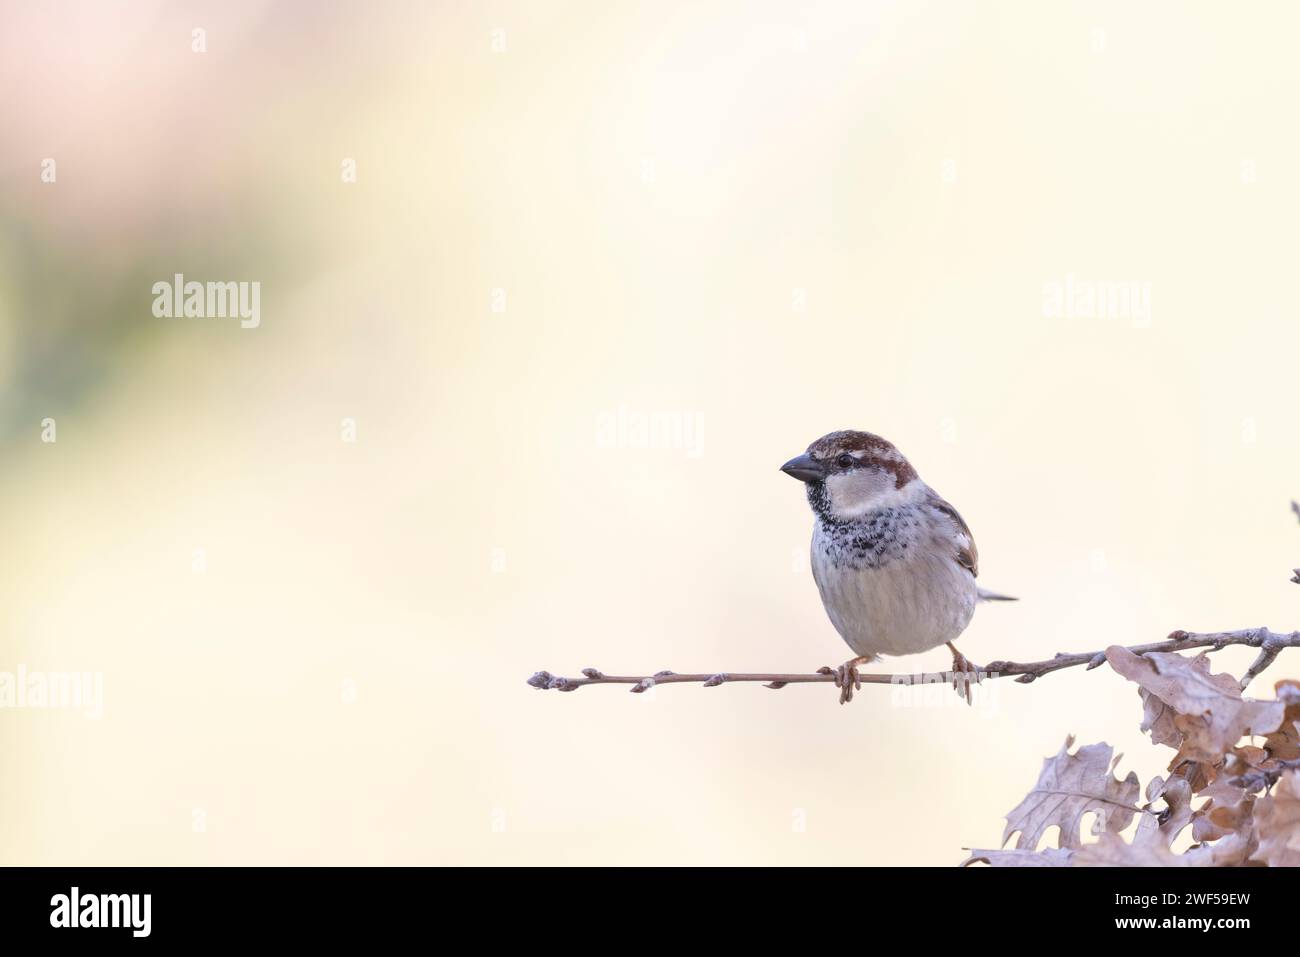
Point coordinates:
[(523, 380)]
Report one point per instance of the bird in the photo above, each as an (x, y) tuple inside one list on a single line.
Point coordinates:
[(894, 562)]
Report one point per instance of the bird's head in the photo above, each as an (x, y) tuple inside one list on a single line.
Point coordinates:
[(848, 474)]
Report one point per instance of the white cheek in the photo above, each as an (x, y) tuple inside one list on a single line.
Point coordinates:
[(853, 493)]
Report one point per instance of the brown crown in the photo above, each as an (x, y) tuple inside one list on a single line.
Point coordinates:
[(872, 450)]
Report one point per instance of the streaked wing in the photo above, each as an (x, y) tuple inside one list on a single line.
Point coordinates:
[(967, 556)]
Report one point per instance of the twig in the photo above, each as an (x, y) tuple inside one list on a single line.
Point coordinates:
[(1268, 651), (1270, 644), (1260, 778)]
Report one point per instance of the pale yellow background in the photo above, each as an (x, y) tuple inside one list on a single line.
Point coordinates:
[(651, 184)]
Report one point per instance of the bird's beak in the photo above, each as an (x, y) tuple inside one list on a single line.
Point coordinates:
[(805, 468)]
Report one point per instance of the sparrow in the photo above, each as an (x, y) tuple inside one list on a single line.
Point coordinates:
[(894, 562)]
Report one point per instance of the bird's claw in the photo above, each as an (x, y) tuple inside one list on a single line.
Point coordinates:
[(846, 678), (964, 674)]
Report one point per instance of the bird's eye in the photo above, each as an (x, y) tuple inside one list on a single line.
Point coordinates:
[(846, 461)]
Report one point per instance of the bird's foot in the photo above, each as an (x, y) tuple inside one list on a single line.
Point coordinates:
[(964, 674), (846, 677)]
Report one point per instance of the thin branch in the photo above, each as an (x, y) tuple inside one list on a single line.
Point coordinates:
[(1268, 652), (1270, 644), (1260, 778)]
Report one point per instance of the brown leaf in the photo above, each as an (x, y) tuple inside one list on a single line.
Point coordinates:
[(1161, 825), (1284, 743), (1228, 818), (1016, 857), (1158, 719), (1277, 816), (1151, 845), (1212, 715), (1235, 849), (1247, 756), (1113, 851), (1229, 809), (1069, 786), (1199, 774)]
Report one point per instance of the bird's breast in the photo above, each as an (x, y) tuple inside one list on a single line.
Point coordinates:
[(890, 584)]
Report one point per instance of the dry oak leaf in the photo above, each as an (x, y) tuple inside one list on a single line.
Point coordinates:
[(1284, 743), (1234, 850), (1015, 857), (1111, 850), (1153, 842), (1069, 786), (1162, 825), (1158, 719), (1277, 819), (1228, 818), (1212, 715), (1156, 831), (1199, 774), (1228, 809)]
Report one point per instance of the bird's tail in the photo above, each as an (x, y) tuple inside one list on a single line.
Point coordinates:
[(984, 595)]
